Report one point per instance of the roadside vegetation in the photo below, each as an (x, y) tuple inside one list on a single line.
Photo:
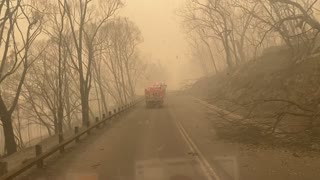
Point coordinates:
[(63, 62), (261, 61)]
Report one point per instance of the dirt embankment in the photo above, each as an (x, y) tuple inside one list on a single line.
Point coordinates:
[(278, 100)]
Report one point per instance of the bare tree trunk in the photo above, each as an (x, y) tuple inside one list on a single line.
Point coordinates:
[(85, 107), (227, 48), (55, 123), (99, 84), (123, 84), (211, 54), (18, 128), (102, 94), (6, 119), (68, 105), (98, 98), (99, 81), (240, 50), (132, 92)]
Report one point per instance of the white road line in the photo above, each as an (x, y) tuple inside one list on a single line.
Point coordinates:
[(215, 108), (205, 166)]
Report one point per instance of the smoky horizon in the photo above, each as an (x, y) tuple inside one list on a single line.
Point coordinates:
[(159, 89)]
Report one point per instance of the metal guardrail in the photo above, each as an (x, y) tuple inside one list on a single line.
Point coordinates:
[(38, 160)]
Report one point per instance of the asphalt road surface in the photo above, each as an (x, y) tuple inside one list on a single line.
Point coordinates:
[(175, 142), (143, 144)]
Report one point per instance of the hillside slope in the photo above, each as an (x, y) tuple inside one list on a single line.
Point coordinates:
[(280, 98)]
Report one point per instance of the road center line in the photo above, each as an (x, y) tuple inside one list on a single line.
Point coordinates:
[(204, 164)]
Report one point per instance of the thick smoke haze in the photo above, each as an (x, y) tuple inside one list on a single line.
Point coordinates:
[(164, 41)]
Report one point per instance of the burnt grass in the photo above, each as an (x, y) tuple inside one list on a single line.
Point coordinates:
[(250, 91)]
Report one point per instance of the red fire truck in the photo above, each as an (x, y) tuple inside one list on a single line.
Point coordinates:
[(155, 94)]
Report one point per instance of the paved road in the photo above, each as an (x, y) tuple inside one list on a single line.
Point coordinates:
[(145, 144), (176, 142)]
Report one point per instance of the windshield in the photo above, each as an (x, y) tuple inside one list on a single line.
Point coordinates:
[(159, 89)]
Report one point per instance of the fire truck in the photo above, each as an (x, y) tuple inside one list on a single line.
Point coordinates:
[(155, 94)]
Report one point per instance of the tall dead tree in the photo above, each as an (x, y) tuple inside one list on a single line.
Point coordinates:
[(123, 62), (79, 17), (15, 60)]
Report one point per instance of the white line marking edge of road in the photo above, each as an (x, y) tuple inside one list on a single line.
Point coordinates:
[(215, 108)]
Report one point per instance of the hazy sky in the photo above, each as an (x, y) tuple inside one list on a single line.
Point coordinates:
[(164, 39), (159, 25)]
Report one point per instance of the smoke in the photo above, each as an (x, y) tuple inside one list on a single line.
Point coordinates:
[(164, 42)]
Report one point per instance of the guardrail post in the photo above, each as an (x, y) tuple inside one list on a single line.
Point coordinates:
[(104, 119), (76, 131), (38, 153), (97, 120), (3, 168)]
